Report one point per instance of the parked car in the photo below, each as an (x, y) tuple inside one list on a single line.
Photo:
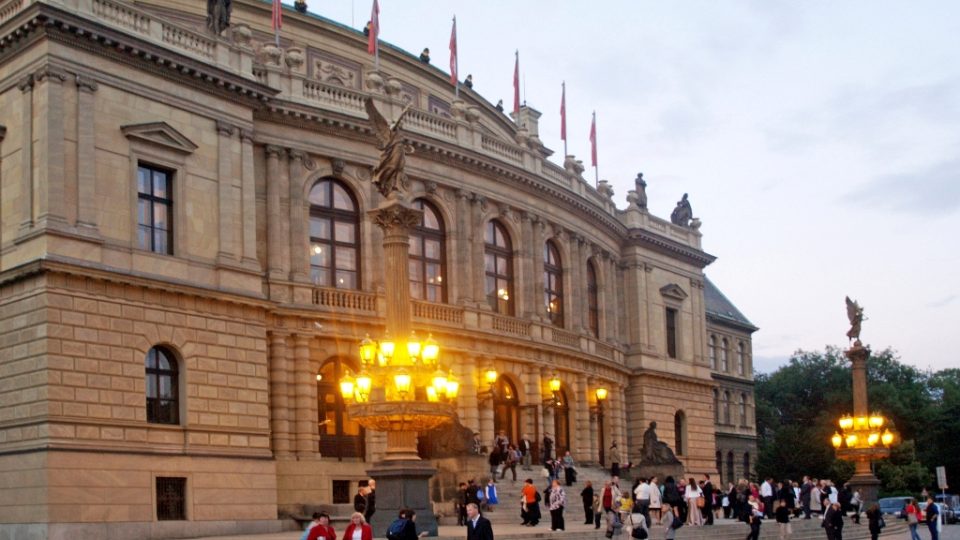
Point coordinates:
[(893, 505), (953, 506), (943, 511)]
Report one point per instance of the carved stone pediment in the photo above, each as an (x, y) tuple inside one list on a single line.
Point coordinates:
[(674, 292), (161, 134)]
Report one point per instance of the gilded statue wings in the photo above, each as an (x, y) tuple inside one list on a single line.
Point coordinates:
[(853, 311)]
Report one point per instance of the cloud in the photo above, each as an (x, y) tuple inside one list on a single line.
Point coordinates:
[(930, 192), (769, 364)]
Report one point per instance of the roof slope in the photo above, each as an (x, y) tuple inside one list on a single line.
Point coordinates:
[(721, 309)]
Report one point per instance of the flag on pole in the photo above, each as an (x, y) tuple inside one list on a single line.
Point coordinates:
[(373, 45), (277, 20), (516, 84), (563, 112), (593, 140), (453, 53)]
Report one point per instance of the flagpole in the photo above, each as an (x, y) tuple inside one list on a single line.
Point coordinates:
[(455, 75), (596, 161), (563, 106)]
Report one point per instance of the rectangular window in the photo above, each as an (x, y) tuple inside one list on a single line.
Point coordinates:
[(171, 498), (341, 492), (671, 333), (154, 209)]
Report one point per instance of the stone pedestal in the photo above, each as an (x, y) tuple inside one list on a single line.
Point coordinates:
[(661, 471), (869, 487), (403, 484)]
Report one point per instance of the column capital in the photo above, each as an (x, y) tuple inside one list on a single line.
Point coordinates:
[(86, 84), (25, 84), (274, 151), (50, 73), (225, 128), (246, 135)]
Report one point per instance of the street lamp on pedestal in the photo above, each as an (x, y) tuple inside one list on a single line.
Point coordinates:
[(862, 437)]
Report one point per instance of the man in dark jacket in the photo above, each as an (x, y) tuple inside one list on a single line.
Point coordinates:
[(707, 499), (805, 490), (371, 500), (478, 527), (833, 522)]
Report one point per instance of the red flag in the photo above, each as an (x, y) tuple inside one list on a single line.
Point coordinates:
[(593, 141), (516, 85), (453, 53), (563, 112), (373, 47), (277, 20)]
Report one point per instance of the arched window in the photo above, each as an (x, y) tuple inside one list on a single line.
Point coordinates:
[(340, 436), (726, 407), (334, 236), (743, 409), (163, 390), (498, 268), (428, 256), (553, 283), (740, 357), (716, 406), (506, 409), (680, 432), (730, 473), (724, 355), (561, 423), (593, 305), (712, 351)]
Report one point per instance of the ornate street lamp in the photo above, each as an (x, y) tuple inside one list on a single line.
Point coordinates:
[(862, 437)]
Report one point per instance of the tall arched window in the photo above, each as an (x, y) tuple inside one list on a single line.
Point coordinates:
[(680, 432), (712, 351), (498, 268), (740, 357), (593, 305), (162, 377), (743, 409), (427, 256), (340, 436), (553, 283), (730, 473), (716, 406), (724, 355), (726, 407), (506, 409), (334, 236)]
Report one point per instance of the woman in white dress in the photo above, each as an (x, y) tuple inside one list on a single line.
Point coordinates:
[(692, 495)]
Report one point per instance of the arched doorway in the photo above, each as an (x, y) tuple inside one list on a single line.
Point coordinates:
[(340, 437), (561, 423), (506, 410)]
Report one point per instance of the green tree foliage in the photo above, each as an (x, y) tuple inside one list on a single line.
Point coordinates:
[(797, 407)]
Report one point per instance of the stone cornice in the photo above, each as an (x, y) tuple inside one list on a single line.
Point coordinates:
[(744, 380), (74, 31), (655, 242), (730, 323)]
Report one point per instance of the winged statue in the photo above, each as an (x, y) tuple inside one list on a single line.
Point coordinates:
[(389, 175), (855, 315)]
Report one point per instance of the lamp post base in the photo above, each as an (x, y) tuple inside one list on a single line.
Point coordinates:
[(403, 484), (869, 487)]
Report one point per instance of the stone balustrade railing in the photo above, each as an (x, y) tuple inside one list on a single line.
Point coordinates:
[(333, 97), (429, 315)]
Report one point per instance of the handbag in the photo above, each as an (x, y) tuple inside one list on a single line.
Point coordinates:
[(639, 533), (912, 518), (881, 523), (700, 502)]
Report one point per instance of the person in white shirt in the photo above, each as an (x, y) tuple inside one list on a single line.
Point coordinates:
[(766, 495), (692, 495), (642, 496)]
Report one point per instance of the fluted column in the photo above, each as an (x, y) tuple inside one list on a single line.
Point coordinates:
[(305, 384), (538, 286), (465, 370), (581, 444), (477, 202), (459, 277), (574, 306), (26, 85), (3, 135), (485, 413), (86, 181), (280, 410), (275, 216), (299, 241), (249, 198), (595, 444), (615, 311), (49, 183), (530, 422), (528, 251), (547, 412), (227, 192)]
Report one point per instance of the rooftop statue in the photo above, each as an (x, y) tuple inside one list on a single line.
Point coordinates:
[(218, 15), (855, 314), (682, 214), (640, 186), (654, 451), (389, 175)]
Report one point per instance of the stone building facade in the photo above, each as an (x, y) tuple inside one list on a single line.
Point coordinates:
[(187, 266)]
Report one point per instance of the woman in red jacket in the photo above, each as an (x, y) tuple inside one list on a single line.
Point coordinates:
[(322, 530), (358, 529)]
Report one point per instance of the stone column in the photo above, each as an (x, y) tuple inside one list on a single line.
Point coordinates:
[(459, 270), (86, 182), (615, 307), (547, 413), (3, 135), (574, 307), (581, 444), (26, 177), (305, 385), (538, 285), (485, 408), (477, 205), (49, 183), (280, 408), (465, 369), (299, 240), (594, 444), (249, 198), (227, 200), (275, 238), (655, 333), (528, 251)]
